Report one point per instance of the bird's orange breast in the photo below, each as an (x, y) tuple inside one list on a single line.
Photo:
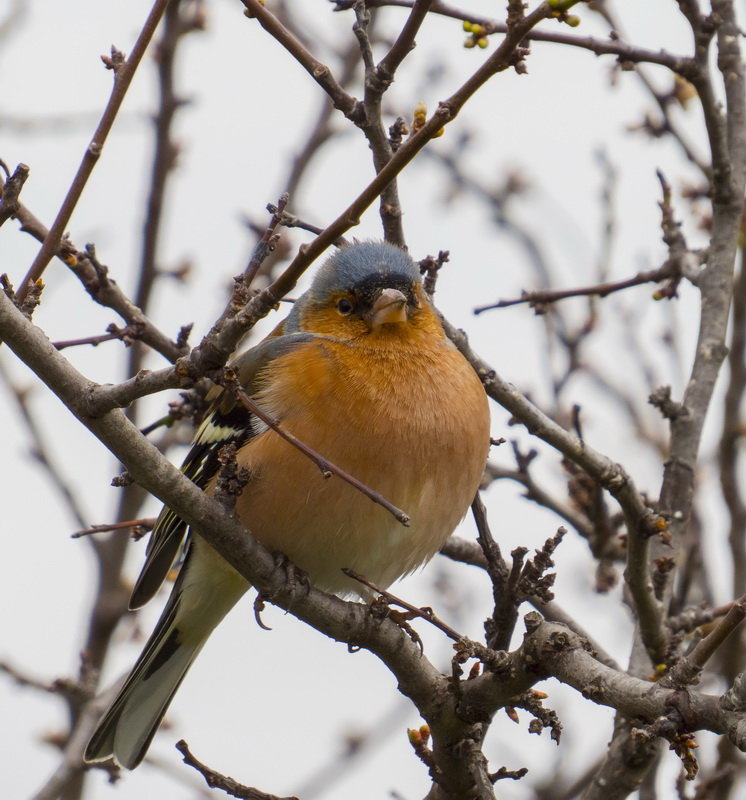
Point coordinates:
[(407, 418)]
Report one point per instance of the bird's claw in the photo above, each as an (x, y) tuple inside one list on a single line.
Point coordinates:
[(296, 583), (381, 609)]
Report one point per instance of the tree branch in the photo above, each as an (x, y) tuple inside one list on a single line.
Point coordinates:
[(124, 70)]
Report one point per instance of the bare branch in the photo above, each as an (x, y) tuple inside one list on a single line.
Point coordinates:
[(688, 668), (217, 781), (213, 353), (612, 46), (641, 522), (93, 275), (124, 70), (537, 300), (320, 73), (11, 190)]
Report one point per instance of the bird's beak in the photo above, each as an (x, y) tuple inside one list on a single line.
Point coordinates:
[(390, 307)]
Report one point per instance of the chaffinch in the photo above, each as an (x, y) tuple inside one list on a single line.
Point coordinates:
[(362, 372)]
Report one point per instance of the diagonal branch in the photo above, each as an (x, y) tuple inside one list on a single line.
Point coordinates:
[(124, 70), (405, 41), (212, 354), (320, 72), (93, 276), (327, 468), (612, 46), (641, 522), (10, 191)]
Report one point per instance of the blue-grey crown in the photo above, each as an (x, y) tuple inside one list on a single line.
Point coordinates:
[(364, 263)]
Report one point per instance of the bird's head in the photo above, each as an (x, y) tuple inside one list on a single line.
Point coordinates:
[(366, 289)]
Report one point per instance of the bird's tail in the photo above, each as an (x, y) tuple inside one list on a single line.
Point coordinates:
[(194, 609)]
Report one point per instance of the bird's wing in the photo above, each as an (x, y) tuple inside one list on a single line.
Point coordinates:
[(226, 422)]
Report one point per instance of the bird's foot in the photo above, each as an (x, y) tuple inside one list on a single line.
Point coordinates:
[(296, 583), (381, 609)]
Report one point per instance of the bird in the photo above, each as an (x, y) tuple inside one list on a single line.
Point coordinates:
[(362, 372)]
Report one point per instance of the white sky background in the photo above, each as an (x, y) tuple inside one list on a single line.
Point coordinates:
[(270, 708)]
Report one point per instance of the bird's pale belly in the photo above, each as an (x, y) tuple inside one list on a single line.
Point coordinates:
[(330, 525)]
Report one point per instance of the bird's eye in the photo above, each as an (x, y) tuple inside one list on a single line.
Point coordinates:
[(345, 306)]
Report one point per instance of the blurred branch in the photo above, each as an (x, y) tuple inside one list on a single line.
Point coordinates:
[(124, 70), (664, 100), (11, 189), (356, 744), (321, 131), (66, 777), (39, 449), (181, 18), (535, 493), (12, 19), (642, 523), (537, 300), (23, 679), (217, 781), (109, 603), (94, 277)]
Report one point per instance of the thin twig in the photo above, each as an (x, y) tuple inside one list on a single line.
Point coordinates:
[(127, 335), (320, 73), (124, 70), (92, 275), (538, 299), (688, 668), (11, 190), (421, 613), (405, 41), (266, 241), (214, 352), (146, 523), (217, 781), (291, 221), (612, 46)]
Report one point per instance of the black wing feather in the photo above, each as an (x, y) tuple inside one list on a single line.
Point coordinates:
[(236, 426)]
